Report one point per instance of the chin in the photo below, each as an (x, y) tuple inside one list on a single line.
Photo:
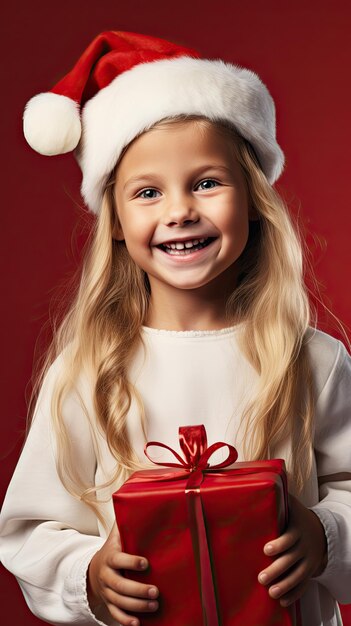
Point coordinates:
[(191, 285)]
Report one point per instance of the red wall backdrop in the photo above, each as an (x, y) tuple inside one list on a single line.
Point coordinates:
[(302, 52)]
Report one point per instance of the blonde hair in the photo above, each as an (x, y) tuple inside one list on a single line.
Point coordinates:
[(100, 333)]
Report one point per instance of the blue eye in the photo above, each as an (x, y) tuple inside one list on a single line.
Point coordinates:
[(148, 189), (206, 180), (144, 191)]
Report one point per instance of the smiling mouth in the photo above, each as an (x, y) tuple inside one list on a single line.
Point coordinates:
[(184, 251)]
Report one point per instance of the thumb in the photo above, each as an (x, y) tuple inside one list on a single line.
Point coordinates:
[(114, 536)]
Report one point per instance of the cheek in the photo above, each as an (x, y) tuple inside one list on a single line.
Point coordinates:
[(235, 224), (136, 228), (136, 250), (137, 237), (231, 210)]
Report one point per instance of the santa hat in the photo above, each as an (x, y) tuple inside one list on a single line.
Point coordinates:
[(124, 83)]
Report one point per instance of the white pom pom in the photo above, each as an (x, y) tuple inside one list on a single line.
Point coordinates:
[(51, 123)]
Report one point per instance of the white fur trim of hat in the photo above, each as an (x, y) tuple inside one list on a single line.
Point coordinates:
[(141, 94)]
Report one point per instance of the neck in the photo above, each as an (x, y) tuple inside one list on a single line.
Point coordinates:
[(191, 309)]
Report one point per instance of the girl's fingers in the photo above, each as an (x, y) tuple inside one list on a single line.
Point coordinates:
[(129, 603), (281, 564), (284, 542), (298, 575), (126, 587), (121, 617), (295, 594), (116, 602), (122, 560)]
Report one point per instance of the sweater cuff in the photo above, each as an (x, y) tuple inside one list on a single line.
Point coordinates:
[(331, 532), (75, 592)]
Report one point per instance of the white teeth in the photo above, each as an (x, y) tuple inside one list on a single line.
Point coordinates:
[(183, 248), (180, 245)]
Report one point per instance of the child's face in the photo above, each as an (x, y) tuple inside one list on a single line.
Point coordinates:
[(190, 186)]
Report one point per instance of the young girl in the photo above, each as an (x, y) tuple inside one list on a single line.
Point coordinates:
[(191, 308)]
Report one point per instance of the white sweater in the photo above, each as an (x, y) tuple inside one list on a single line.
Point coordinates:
[(47, 538)]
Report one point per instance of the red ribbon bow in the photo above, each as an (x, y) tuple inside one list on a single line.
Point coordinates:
[(193, 442)]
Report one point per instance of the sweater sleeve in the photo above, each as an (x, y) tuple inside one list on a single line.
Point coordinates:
[(48, 537), (333, 458)]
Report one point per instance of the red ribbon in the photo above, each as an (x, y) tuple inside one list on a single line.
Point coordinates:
[(193, 442)]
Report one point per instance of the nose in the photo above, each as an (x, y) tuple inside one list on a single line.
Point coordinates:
[(181, 212)]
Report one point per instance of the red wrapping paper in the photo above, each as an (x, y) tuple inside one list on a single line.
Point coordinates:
[(202, 529)]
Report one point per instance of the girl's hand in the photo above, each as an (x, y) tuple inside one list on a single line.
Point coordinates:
[(106, 585), (301, 549)]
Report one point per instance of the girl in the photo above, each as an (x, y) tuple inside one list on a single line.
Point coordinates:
[(191, 308)]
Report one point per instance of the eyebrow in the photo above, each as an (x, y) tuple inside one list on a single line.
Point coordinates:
[(151, 175)]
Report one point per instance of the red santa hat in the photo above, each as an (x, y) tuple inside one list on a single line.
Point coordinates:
[(124, 83)]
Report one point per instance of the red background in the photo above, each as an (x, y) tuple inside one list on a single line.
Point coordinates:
[(301, 51)]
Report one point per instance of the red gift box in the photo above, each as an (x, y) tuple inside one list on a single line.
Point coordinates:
[(202, 529)]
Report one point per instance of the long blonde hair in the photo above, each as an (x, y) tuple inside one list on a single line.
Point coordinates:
[(101, 331)]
